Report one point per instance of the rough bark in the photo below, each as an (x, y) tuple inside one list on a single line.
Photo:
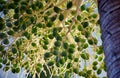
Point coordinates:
[(109, 11)]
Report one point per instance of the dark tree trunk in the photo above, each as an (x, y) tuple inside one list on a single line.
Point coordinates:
[(109, 11)]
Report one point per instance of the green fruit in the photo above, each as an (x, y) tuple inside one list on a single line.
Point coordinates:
[(76, 59), (34, 30), (13, 70), (46, 42), (6, 68), (8, 24), (10, 32), (53, 18), (19, 42), (47, 55), (1, 48), (62, 60), (0, 66), (58, 37), (64, 53), (17, 70), (38, 69), (6, 41), (94, 67), (26, 34), (95, 63), (85, 56), (100, 58), (94, 15), (71, 50), (29, 11), (65, 45), (70, 56), (4, 61), (79, 28), (76, 70), (17, 22), (33, 6), (83, 7), (90, 41), (99, 71), (16, 16), (57, 43), (50, 63), (33, 44), (69, 5), (40, 25), (50, 36), (79, 17), (17, 10), (56, 9), (58, 64), (45, 47), (2, 35), (85, 24), (14, 50), (16, 0), (72, 45), (55, 52), (69, 65), (85, 46), (61, 17), (89, 72), (2, 26), (39, 4), (49, 24), (77, 39)]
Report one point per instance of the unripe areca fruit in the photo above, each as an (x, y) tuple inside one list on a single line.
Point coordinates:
[(50, 63), (61, 17), (6, 41), (57, 43), (69, 5), (56, 9), (1, 48), (14, 50)]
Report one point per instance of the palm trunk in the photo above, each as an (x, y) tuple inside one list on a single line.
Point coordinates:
[(109, 11)]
